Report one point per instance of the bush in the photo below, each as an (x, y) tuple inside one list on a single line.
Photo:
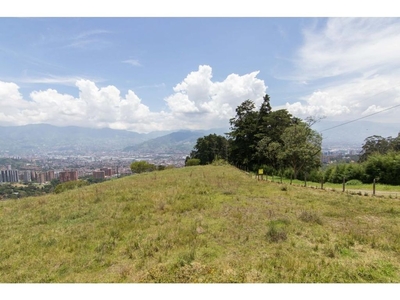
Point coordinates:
[(276, 231), (192, 162), (142, 166), (335, 173), (385, 167)]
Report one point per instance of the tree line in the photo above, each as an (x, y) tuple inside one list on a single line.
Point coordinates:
[(274, 141), (379, 159), (282, 144)]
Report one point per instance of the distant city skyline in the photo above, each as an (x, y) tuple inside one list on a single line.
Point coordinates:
[(165, 73)]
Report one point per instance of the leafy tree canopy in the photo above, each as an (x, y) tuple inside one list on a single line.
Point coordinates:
[(142, 166), (209, 148)]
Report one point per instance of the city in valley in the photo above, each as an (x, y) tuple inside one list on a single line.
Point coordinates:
[(43, 168)]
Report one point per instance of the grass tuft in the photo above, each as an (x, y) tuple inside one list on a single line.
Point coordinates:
[(310, 217)]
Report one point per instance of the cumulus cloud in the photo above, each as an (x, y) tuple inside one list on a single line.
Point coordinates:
[(198, 94), (360, 58), (196, 103), (353, 99)]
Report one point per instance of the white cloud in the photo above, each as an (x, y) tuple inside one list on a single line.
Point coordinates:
[(360, 57), (197, 93), (349, 45), (196, 103), (132, 62), (51, 79)]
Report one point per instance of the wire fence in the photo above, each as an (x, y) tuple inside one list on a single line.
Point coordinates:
[(364, 191)]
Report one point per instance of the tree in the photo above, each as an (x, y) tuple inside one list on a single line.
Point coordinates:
[(142, 166), (270, 132), (242, 136), (301, 147), (374, 144), (210, 147), (268, 151)]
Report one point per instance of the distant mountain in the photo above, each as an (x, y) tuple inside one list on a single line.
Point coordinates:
[(176, 142), (353, 134), (44, 137)]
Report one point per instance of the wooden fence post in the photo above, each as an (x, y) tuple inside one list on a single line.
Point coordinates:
[(344, 183), (373, 187)]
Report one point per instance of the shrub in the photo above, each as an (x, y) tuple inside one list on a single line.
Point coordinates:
[(192, 162), (142, 166), (276, 231)]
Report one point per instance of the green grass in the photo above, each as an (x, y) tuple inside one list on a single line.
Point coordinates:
[(199, 224), (383, 190)]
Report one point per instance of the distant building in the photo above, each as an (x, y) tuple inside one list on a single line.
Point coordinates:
[(27, 176), (50, 175), (107, 171), (98, 174), (34, 176), (9, 176), (41, 178), (68, 176)]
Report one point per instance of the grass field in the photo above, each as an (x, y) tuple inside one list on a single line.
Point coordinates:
[(384, 190), (199, 224)]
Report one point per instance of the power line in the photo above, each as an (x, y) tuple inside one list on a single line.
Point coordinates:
[(375, 113)]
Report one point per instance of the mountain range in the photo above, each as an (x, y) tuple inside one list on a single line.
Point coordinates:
[(29, 139), (180, 141), (44, 137)]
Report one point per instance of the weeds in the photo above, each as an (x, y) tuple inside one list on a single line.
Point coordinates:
[(310, 217), (276, 231)]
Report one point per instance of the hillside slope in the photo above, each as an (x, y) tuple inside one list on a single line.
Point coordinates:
[(199, 224)]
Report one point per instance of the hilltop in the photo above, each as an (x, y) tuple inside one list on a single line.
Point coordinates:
[(199, 224)]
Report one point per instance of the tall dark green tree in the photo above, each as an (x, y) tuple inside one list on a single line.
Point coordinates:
[(242, 136), (209, 148), (270, 132)]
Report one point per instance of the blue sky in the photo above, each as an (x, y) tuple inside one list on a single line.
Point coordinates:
[(170, 73)]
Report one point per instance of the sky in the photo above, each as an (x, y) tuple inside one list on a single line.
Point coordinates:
[(174, 71)]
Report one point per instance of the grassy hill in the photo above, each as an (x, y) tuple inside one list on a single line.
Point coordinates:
[(199, 224)]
